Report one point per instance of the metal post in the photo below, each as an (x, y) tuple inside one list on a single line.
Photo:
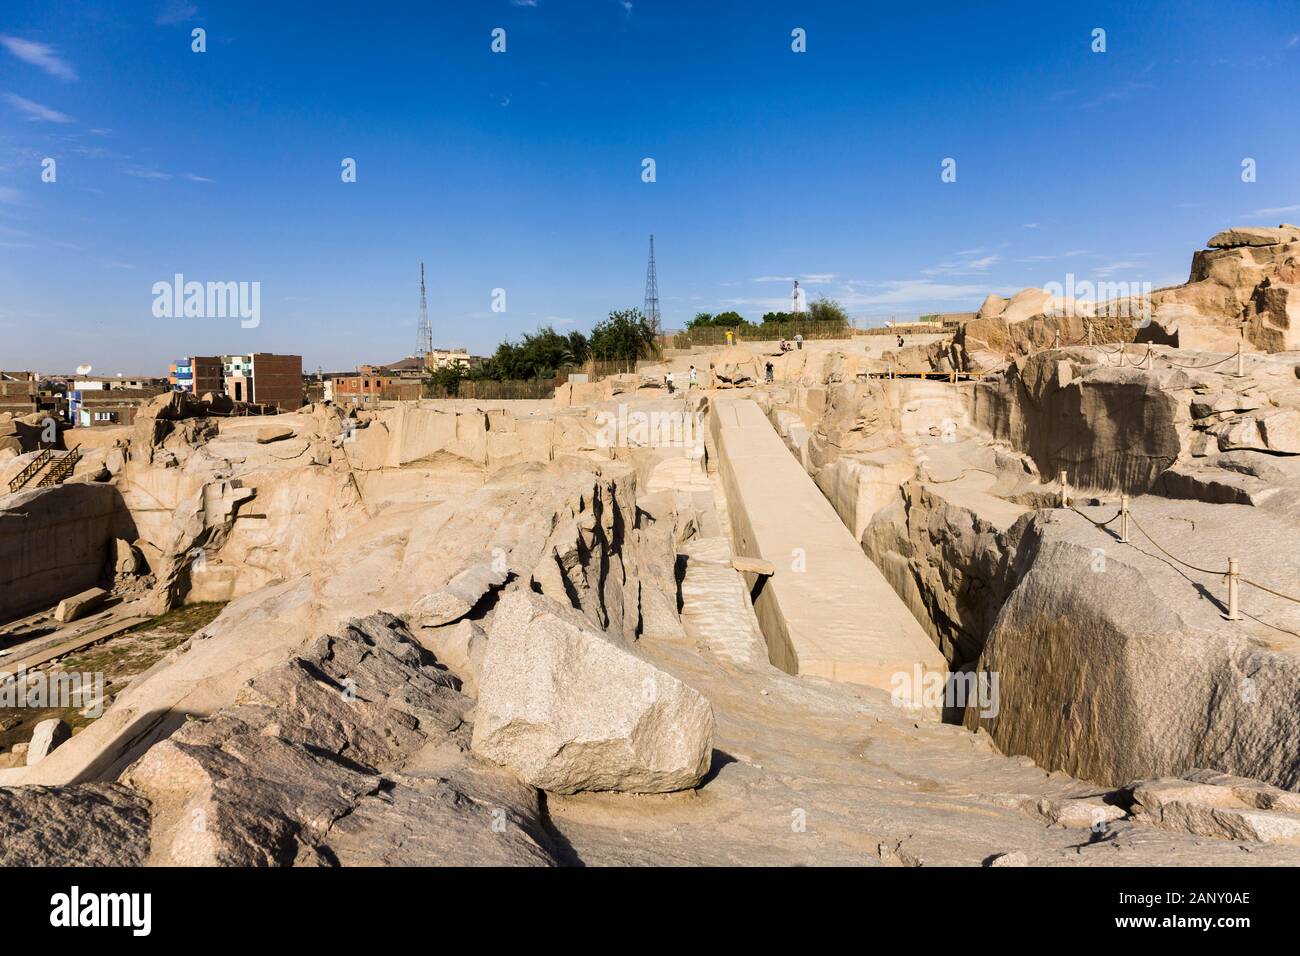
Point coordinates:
[(1241, 370), (1089, 327), (1148, 357), (1065, 489), (1234, 610), (1123, 519)]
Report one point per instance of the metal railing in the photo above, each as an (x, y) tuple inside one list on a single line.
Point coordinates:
[(61, 468), (30, 471)]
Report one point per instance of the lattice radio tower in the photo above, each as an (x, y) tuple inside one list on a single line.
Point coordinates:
[(424, 334), (651, 310)]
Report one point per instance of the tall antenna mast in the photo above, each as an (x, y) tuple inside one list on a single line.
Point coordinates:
[(794, 298), (651, 310), (424, 334)]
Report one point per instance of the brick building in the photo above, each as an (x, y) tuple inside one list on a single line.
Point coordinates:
[(364, 388), (264, 378), (18, 393), (198, 374)]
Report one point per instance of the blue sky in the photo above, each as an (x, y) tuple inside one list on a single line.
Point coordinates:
[(522, 170)]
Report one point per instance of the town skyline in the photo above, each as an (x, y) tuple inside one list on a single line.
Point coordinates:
[(523, 171)]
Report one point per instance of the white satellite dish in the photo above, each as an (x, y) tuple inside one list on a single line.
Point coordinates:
[(83, 369)]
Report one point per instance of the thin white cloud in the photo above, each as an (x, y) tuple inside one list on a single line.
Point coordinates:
[(178, 11), (9, 194), (140, 172), (1273, 211), (862, 294), (1124, 90), (964, 265), (807, 278), (1111, 268), (39, 55), (1031, 225), (36, 111), (198, 179), (912, 292), (524, 3), (1293, 41)]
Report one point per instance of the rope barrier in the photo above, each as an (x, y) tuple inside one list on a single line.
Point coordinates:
[(1194, 367), (1165, 551), (1099, 524), (1256, 584)]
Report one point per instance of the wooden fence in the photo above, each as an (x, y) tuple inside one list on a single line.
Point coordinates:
[(763, 333), (489, 390)]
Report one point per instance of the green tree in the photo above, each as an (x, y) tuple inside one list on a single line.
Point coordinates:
[(828, 310), (448, 377), (538, 355), (723, 320), (625, 336)]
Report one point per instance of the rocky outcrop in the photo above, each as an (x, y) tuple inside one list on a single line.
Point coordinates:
[(1212, 804), (1248, 278), (54, 542), (329, 759), (570, 710), (951, 566), (92, 824), (459, 597), (1107, 426), (1109, 671)]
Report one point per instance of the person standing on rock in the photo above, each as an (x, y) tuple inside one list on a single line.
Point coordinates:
[(693, 381), (668, 380), (798, 340), (769, 371)]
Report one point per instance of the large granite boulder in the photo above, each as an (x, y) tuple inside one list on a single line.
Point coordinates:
[(570, 710)]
